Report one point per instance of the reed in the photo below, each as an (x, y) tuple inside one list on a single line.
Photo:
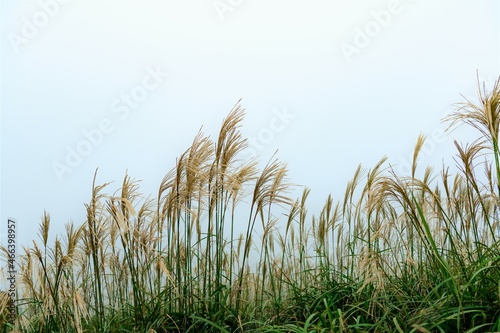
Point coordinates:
[(225, 247)]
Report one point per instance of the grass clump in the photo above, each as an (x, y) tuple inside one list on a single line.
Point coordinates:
[(397, 254)]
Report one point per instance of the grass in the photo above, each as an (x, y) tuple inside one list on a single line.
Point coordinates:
[(397, 254)]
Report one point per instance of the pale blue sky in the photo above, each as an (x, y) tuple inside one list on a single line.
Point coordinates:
[(331, 84)]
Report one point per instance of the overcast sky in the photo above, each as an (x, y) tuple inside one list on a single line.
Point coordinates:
[(126, 85)]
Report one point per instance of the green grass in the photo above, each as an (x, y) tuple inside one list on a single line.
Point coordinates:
[(397, 254)]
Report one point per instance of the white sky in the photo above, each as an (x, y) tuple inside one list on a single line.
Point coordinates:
[(350, 99)]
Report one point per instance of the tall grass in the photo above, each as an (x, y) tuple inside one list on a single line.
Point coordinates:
[(224, 247)]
